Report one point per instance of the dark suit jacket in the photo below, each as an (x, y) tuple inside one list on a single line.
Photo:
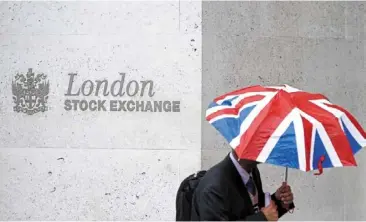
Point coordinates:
[(221, 195)]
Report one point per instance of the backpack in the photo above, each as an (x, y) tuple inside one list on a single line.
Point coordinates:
[(185, 193)]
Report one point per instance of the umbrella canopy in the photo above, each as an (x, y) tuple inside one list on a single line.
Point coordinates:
[(285, 126)]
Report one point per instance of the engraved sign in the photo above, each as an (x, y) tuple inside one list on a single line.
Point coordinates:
[(30, 93), (90, 95)]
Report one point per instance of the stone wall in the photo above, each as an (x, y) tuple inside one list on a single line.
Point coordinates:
[(113, 125), (315, 46)]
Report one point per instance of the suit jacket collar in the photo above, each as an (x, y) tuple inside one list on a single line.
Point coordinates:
[(237, 181), (242, 172)]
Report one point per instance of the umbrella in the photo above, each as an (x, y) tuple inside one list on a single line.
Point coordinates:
[(288, 127)]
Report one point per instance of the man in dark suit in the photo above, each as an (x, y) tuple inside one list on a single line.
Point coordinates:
[(232, 190)]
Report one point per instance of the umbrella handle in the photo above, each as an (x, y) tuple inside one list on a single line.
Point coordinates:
[(286, 175)]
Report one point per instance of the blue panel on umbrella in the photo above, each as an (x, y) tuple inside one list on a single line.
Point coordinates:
[(213, 104), (226, 102), (285, 152), (353, 143), (319, 150), (230, 127)]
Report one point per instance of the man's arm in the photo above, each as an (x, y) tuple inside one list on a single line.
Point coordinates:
[(212, 207), (281, 210)]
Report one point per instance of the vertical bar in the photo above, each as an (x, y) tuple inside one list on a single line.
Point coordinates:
[(286, 174)]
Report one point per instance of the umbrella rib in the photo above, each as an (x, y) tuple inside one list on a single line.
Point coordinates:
[(250, 118), (333, 156), (272, 141), (342, 116)]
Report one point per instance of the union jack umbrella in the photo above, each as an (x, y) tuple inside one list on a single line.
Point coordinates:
[(287, 127)]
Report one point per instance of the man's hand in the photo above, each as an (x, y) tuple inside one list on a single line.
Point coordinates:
[(285, 194), (270, 212)]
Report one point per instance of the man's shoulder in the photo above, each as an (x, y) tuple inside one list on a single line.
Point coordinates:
[(214, 179), (215, 172)]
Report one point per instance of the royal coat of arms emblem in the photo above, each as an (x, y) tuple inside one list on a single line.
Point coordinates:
[(30, 93)]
